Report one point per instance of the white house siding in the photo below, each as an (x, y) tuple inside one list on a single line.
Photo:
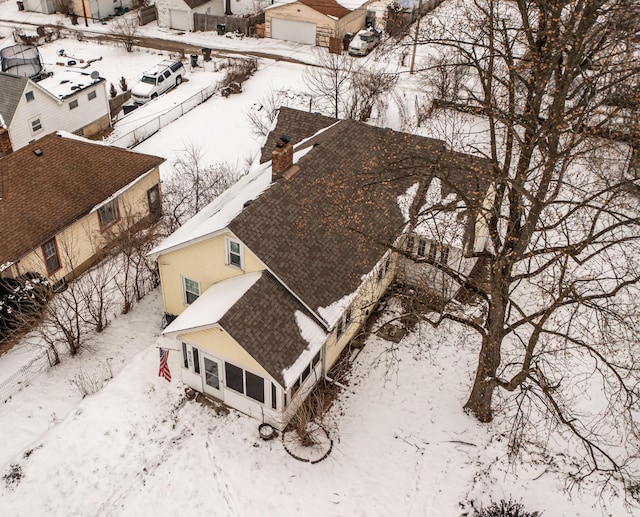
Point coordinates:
[(165, 8), (55, 115), (40, 6)]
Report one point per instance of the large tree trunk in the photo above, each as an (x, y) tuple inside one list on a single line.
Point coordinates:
[(479, 402)]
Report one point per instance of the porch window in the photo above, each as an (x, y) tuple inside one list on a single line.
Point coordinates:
[(51, 257), (274, 400), (233, 375), (191, 291), (196, 360), (185, 357), (255, 386)]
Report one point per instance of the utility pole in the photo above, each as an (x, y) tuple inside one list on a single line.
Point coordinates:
[(84, 12), (415, 37)]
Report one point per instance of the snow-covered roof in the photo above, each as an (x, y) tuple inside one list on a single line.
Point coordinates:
[(67, 83), (313, 334), (213, 304), (217, 214), (441, 220), (221, 211)]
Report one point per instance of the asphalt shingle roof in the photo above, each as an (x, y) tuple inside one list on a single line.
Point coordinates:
[(263, 322), (11, 89), (43, 194), (327, 226)]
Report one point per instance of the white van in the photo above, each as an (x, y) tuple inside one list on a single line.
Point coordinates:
[(162, 77), (364, 42)]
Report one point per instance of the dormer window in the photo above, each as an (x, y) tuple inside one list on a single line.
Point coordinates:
[(29, 96)]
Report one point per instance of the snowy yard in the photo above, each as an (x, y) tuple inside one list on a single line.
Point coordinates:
[(401, 443)]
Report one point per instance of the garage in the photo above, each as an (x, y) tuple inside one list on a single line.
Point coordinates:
[(301, 32), (179, 19)]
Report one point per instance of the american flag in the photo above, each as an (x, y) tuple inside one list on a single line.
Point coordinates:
[(164, 366)]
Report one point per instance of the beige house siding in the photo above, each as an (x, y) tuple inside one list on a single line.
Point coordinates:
[(326, 27), (81, 243), (203, 262), (362, 305)]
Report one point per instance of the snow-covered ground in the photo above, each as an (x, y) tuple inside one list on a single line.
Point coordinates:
[(401, 443)]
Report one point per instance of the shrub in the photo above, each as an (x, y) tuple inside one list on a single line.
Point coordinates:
[(505, 509), (22, 301)]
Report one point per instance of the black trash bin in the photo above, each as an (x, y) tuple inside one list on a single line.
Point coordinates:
[(20, 5), (206, 54), (194, 60), (348, 37), (74, 19), (222, 28)]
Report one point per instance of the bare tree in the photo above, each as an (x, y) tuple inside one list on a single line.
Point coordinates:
[(330, 81), (369, 88), (564, 236), (124, 29), (193, 185), (262, 114)]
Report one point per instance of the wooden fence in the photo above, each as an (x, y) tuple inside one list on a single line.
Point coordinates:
[(147, 14), (242, 24)]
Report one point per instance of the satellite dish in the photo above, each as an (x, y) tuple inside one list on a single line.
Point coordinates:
[(95, 74)]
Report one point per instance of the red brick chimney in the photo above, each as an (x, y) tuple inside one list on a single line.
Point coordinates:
[(5, 142), (281, 157)]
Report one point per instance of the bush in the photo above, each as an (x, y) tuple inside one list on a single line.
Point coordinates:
[(22, 301), (505, 509)]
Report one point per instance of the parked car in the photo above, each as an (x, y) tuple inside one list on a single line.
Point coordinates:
[(364, 42), (162, 77)]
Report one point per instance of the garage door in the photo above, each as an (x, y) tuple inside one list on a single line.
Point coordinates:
[(301, 32), (179, 19)]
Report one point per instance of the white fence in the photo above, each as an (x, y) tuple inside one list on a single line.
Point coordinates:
[(20, 379), (140, 134)]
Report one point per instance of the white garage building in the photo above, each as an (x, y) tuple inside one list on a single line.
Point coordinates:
[(178, 14)]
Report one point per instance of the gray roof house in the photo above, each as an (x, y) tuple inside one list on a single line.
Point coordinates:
[(71, 101)]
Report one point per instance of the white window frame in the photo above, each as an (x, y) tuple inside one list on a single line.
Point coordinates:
[(184, 289), (228, 241)]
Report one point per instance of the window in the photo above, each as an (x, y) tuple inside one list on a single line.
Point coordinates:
[(316, 359), (255, 386), (36, 125), (411, 242), (339, 328), (167, 74), (160, 79), (50, 251), (444, 255), (234, 253), (306, 372), (234, 376), (191, 291), (274, 400), (108, 213), (433, 249), (29, 96), (422, 246), (92, 95), (73, 104), (185, 357)]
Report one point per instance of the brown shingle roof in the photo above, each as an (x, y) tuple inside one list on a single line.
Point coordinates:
[(297, 125), (43, 194), (327, 7), (263, 322), (327, 226)]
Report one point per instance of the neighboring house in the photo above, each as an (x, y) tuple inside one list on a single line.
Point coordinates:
[(101, 9), (267, 285), (70, 101), (314, 21), (178, 14), (40, 6), (63, 199)]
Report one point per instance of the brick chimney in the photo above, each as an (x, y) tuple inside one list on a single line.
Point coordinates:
[(281, 157), (5, 142)]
